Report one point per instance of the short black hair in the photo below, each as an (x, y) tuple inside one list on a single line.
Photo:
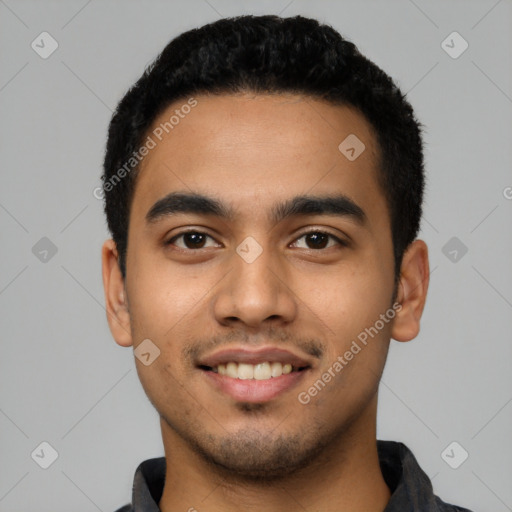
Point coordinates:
[(269, 55)]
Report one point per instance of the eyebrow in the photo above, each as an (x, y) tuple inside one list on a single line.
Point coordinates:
[(186, 202)]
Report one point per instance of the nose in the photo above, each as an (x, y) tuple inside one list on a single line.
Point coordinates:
[(255, 292)]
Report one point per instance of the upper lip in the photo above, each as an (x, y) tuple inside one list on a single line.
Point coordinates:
[(254, 356)]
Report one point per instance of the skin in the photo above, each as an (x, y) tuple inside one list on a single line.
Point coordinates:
[(251, 151)]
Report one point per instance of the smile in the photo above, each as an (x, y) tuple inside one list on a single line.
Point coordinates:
[(261, 371)]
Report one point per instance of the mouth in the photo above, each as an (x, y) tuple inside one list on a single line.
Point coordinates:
[(260, 371), (254, 376)]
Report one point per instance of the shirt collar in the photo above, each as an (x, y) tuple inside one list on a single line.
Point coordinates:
[(410, 486), (148, 485)]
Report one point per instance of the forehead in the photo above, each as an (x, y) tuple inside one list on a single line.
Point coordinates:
[(258, 149)]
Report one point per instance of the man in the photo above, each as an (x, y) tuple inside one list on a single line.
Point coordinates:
[(263, 186)]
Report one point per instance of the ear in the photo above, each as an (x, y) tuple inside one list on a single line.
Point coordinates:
[(116, 303), (412, 292)]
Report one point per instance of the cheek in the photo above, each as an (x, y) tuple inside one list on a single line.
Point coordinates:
[(346, 300), (349, 306), (164, 387), (163, 295)]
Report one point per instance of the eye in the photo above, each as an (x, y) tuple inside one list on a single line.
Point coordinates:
[(319, 240), (316, 240), (191, 240)]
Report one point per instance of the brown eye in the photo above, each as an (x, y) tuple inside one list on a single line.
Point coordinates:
[(319, 240), (190, 240)]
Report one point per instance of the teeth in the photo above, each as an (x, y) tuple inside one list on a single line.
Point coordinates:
[(245, 371), (260, 371), (276, 369), (232, 370)]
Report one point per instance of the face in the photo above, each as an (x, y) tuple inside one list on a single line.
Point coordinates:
[(284, 263)]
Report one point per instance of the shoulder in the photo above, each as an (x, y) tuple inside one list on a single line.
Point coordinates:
[(410, 486)]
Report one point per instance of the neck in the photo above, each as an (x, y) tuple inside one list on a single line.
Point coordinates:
[(345, 477)]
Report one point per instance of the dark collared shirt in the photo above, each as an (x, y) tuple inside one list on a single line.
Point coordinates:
[(411, 490)]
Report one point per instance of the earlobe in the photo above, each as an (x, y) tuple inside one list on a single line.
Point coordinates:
[(412, 293), (116, 303)]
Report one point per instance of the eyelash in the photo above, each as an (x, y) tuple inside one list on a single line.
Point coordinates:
[(340, 242)]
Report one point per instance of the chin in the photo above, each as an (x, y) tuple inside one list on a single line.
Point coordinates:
[(253, 455)]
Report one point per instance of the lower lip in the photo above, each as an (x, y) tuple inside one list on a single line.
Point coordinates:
[(252, 390)]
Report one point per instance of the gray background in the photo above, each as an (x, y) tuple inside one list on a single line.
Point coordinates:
[(63, 380)]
